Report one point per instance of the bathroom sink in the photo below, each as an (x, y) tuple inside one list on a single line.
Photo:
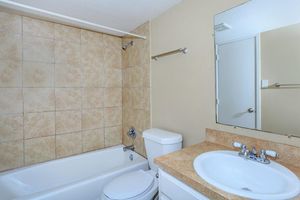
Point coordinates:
[(234, 174)]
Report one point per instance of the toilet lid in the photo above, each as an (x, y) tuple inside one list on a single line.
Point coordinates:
[(128, 185)]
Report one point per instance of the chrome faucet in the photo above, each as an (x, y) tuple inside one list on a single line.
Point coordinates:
[(130, 147), (262, 157), (132, 134)]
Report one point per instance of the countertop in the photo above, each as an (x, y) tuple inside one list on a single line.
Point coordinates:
[(180, 165)]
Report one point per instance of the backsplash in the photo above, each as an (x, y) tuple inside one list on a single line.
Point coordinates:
[(60, 91), (136, 87), (287, 153)]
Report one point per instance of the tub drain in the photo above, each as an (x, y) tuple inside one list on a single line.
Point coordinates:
[(246, 189)]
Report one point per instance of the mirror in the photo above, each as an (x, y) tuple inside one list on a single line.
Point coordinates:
[(258, 66)]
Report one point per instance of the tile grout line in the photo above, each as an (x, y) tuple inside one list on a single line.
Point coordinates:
[(103, 84), (54, 86), (122, 68), (66, 133), (81, 90), (68, 87), (23, 100)]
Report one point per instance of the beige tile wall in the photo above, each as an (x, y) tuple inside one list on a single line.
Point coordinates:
[(60, 91), (136, 87)]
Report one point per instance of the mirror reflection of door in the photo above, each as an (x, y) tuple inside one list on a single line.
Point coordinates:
[(274, 25), (236, 83)]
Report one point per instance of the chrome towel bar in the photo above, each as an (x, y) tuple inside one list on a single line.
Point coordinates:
[(181, 50), (279, 85)]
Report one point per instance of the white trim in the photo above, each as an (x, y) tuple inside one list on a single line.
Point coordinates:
[(258, 82), (216, 81), (55, 17), (235, 39)]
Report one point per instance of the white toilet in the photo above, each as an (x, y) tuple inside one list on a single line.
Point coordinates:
[(143, 185)]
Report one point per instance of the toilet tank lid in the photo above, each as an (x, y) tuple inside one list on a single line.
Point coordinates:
[(162, 136)]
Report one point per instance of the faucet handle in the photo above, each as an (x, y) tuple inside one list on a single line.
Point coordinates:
[(254, 151), (243, 148), (264, 153), (238, 144), (132, 133), (271, 153)]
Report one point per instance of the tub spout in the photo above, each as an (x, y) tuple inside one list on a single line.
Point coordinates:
[(130, 147)]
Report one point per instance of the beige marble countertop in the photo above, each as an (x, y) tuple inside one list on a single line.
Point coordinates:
[(180, 165)]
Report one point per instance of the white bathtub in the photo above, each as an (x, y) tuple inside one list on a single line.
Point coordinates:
[(80, 177)]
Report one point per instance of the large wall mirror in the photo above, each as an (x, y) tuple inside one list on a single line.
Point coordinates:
[(258, 66)]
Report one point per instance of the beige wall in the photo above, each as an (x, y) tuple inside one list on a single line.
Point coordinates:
[(60, 91), (136, 87), (183, 86), (280, 63)]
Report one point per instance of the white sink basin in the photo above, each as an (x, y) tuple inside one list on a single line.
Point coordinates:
[(231, 173)]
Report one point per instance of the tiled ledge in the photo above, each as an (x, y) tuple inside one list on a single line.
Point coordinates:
[(287, 154)]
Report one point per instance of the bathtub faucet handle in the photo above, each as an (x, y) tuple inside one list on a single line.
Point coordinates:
[(132, 133)]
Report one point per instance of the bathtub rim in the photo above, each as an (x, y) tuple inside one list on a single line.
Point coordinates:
[(5, 172), (58, 189)]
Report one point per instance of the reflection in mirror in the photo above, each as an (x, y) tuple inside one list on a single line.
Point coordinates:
[(258, 66)]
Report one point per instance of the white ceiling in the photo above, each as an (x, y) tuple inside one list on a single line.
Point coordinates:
[(124, 15), (253, 18)]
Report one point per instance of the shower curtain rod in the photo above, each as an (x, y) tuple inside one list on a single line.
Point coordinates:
[(55, 17)]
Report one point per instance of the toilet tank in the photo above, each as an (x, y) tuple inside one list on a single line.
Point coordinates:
[(159, 142)]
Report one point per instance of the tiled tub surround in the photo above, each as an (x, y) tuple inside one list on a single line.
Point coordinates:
[(180, 164), (136, 87), (60, 91)]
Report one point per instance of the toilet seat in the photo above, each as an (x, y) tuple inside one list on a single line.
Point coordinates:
[(130, 185)]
